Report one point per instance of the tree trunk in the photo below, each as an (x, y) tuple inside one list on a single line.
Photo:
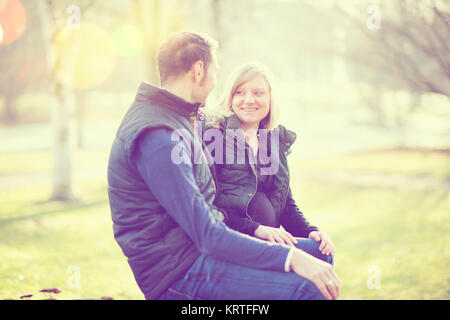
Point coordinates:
[(80, 106), (149, 19), (217, 25), (10, 115), (62, 170)]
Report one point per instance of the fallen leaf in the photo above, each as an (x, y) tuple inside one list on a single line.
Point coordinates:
[(54, 290)]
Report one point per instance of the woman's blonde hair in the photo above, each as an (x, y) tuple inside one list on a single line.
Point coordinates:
[(241, 75)]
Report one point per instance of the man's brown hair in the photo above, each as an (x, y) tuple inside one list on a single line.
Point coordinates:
[(182, 50)]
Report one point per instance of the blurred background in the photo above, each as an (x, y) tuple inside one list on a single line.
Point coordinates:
[(365, 84)]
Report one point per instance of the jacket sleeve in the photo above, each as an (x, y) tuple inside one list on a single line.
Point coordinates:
[(239, 223), (175, 187), (293, 220)]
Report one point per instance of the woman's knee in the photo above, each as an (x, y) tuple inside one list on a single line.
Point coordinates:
[(312, 247)]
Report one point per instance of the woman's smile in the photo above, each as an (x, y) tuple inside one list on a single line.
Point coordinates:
[(248, 109)]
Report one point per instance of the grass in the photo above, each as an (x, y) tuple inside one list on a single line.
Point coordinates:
[(45, 242), (41, 161), (412, 162), (402, 233)]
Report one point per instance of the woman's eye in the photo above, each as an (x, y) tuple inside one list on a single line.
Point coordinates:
[(239, 93), (259, 93)]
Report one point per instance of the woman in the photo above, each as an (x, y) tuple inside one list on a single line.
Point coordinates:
[(256, 199)]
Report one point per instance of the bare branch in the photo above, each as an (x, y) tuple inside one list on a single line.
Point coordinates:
[(415, 32)]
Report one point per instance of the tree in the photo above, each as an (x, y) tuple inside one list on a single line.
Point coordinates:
[(408, 49), (10, 83), (157, 19), (52, 21), (20, 69)]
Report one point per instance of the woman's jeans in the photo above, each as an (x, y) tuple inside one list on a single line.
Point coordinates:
[(212, 279)]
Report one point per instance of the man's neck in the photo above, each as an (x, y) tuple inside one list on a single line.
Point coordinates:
[(180, 88)]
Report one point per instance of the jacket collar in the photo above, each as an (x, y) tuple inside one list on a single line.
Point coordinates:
[(148, 92), (232, 122), (287, 137)]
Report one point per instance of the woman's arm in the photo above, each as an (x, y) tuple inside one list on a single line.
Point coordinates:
[(233, 219), (239, 223), (293, 220)]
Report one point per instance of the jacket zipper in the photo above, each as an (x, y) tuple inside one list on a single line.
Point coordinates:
[(256, 178), (287, 190)]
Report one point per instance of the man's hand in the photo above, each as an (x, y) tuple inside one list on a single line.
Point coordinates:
[(317, 271), (275, 235), (326, 245)]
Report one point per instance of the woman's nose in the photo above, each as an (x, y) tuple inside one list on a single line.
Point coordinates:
[(249, 99)]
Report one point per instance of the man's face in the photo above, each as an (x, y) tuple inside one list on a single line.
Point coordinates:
[(202, 90)]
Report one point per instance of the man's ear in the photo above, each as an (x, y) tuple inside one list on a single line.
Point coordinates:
[(199, 71)]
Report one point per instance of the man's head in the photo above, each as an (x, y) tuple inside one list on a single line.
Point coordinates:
[(189, 58)]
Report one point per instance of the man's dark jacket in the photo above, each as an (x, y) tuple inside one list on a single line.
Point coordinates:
[(158, 250)]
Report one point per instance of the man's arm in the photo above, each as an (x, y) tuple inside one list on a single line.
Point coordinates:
[(175, 188)]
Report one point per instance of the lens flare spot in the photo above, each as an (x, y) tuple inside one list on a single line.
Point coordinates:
[(84, 57), (13, 21), (129, 40)]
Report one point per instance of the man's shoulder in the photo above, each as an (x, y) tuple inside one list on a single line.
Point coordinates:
[(162, 138), (159, 135)]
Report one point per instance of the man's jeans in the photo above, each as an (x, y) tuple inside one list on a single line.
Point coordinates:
[(211, 279)]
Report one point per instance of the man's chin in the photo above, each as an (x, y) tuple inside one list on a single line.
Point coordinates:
[(199, 99), (202, 101)]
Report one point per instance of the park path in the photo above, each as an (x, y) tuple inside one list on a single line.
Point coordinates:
[(381, 180), (362, 179), (23, 180)]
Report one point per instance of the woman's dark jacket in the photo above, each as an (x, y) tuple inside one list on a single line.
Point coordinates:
[(237, 181)]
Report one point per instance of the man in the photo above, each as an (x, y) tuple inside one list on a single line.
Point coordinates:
[(163, 219)]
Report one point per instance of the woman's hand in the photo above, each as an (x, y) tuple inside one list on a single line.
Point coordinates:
[(326, 245), (275, 235)]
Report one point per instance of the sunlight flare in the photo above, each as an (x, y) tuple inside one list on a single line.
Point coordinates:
[(13, 21), (84, 57)]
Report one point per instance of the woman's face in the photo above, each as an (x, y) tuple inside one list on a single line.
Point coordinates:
[(251, 101)]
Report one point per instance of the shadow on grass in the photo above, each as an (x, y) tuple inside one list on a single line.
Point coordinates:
[(79, 205)]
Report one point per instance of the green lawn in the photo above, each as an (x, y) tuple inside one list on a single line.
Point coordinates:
[(402, 233), (53, 241), (409, 162)]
